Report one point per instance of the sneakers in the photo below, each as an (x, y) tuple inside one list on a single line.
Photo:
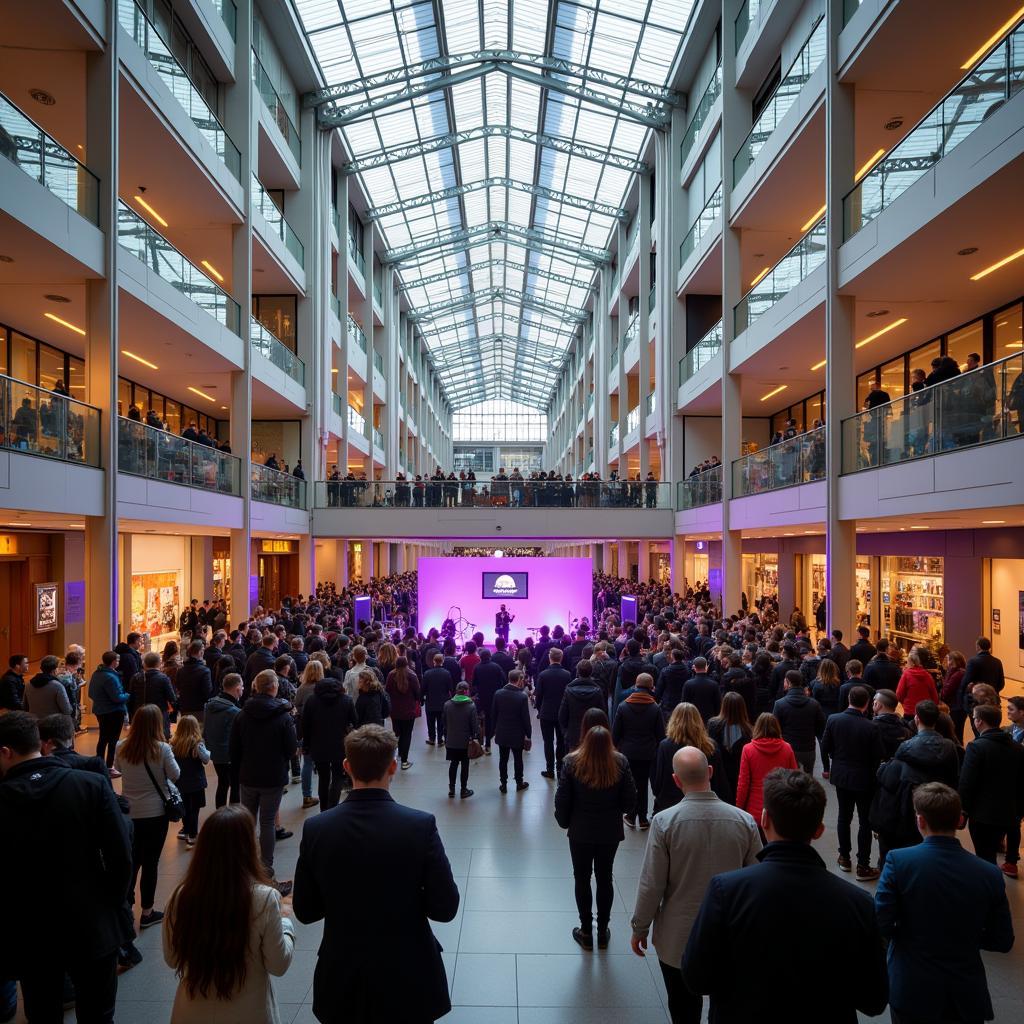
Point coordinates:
[(466, 793), (604, 936), (503, 788), (283, 833), (150, 919), (429, 743), (309, 801), (866, 873), (183, 835), (129, 956), (1009, 868), (643, 823), (520, 786), (548, 775), (584, 939), (284, 888), (844, 863), (406, 765), (630, 822), (190, 843)]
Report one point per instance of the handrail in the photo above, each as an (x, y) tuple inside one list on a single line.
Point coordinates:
[(632, 419), (275, 219), (707, 216), (794, 461), (700, 114), (701, 489), (155, 454), (378, 438), (974, 408), (357, 333), (37, 421), (613, 434), (989, 84), (276, 487), (268, 345), (701, 354), (229, 14), (356, 421), (357, 254), (744, 18), (274, 103), (43, 158), (632, 325)]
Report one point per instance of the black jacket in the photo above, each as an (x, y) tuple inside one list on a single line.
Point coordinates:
[(60, 816), (263, 741), (983, 668), (372, 707), (882, 673), (801, 718), (327, 717), (703, 693), (730, 766), (776, 904), (404, 846), (638, 727), (737, 680), (194, 685), (152, 687), (893, 731), (855, 745), (594, 815), (580, 695), (927, 757), (488, 679), (510, 717), (669, 691), (992, 779), (668, 794), (437, 688), (129, 665), (863, 651), (548, 692), (260, 659), (12, 691), (779, 677)]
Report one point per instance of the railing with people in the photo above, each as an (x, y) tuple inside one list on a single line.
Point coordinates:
[(700, 114), (997, 77), (707, 217), (701, 489), (276, 351), (37, 421), (788, 463), (507, 493), (701, 354), (977, 407), (276, 488), (144, 451)]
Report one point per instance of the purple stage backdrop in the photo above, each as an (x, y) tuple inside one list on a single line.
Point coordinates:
[(558, 590)]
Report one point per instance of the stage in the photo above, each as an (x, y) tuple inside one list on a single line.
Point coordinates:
[(536, 591)]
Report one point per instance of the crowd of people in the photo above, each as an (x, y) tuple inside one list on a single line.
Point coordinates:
[(703, 729)]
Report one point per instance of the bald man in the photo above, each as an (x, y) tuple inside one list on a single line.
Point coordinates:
[(689, 843)]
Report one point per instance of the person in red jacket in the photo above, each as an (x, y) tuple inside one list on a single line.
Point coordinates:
[(765, 751), (916, 684)]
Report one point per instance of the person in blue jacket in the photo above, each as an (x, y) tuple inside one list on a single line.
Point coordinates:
[(109, 703)]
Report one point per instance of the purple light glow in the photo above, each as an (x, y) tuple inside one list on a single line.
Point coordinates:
[(560, 589)]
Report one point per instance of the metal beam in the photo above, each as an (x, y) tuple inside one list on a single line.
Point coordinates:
[(472, 268), (428, 331), (496, 295), (547, 354), (454, 191), (386, 157)]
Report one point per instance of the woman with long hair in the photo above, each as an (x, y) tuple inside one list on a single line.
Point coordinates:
[(372, 704), (144, 748), (593, 717), (764, 690), (387, 656), (951, 695), (192, 756), (730, 729), (311, 675), (225, 932), (595, 791), (825, 690), (403, 689), (170, 661), (685, 729), (765, 751)]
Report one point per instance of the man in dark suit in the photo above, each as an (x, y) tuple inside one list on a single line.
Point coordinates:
[(782, 903), (881, 672), (863, 650), (574, 653), (502, 621), (260, 659), (437, 689), (938, 906), (702, 691), (502, 657), (547, 697), (510, 715), (371, 828), (984, 667), (488, 679), (854, 744)]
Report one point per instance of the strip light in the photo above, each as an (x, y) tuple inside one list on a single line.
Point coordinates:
[(759, 276), (57, 320), (139, 359), (814, 220), (201, 394), (878, 334), (772, 394), (149, 209), (995, 266), (992, 40), (213, 270), (818, 366), (872, 160)]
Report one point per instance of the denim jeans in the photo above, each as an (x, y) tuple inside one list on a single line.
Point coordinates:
[(263, 803), (307, 776)]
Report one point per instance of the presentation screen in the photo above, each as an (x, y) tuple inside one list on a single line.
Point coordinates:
[(627, 609), (506, 586), (363, 610)]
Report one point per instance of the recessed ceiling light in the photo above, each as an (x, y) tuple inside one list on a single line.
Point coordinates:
[(57, 320), (213, 270), (224, 407), (884, 330), (815, 217), (920, 527), (139, 359), (893, 123), (6, 259), (992, 40), (998, 265), (969, 251), (42, 96), (149, 209), (818, 366), (992, 522), (760, 276), (787, 535), (52, 297), (869, 163), (877, 313), (781, 387)]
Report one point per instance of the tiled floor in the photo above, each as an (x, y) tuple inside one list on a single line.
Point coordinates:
[(509, 954)]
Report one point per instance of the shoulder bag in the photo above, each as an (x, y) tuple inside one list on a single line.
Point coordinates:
[(174, 807), (475, 749)]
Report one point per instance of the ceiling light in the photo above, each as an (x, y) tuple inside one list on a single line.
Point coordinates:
[(57, 320), (759, 276), (781, 387), (1013, 344), (787, 535), (814, 219), (996, 266), (893, 123), (149, 209), (53, 297), (920, 527), (877, 313), (42, 96), (224, 407), (992, 522), (201, 394), (818, 366), (992, 40), (878, 334), (213, 270), (139, 359), (869, 163), (969, 251)]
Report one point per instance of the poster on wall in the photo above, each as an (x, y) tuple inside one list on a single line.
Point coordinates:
[(46, 607), (155, 603)]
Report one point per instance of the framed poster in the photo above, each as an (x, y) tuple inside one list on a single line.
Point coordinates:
[(46, 607)]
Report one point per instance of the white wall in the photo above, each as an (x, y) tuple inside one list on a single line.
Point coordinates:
[(1007, 582)]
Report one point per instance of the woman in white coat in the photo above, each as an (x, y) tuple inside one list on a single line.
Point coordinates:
[(224, 968)]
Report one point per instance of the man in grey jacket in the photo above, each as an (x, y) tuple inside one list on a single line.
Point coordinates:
[(689, 843)]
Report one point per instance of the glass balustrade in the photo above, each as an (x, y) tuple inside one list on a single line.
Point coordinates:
[(41, 157), (794, 267), (146, 244), (850, 8), (652, 403), (811, 54), (136, 23), (356, 254), (507, 493), (157, 455), (336, 404), (268, 209), (700, 489), (378, 362), (277, 108), (276, 488), (378, 295), (590, 400), (378, 439), (614, 357), (983, 405), (747, 13), (265, 344), (356, 421), (631, 241), (40, 422), (632, 419), (700, 114), (356, 335), (991, 82), (652, 298), (629, 334), (797, 460), (701, 354), (613, 435), (336, 305), (229, 14), (706, 219)]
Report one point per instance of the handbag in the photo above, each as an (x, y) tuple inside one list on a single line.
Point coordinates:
[(174, 806), (475, 749)]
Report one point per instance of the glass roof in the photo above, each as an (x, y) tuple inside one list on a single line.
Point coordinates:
[(498, 303)]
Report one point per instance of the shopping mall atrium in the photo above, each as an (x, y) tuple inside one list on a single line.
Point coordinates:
[(742, 279)]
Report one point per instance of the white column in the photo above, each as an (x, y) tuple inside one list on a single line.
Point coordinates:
[(372, 334), (677, 549), (644, 322), (643, 560)]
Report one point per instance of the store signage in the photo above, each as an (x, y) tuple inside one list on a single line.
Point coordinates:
[(277, 547)]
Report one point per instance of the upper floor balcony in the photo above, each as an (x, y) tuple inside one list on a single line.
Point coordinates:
[(700, 489), (280, 117), (701, 354), (277, 227), (277, 488), (701, 112), (789, 463), (267, 347), (707, 224)]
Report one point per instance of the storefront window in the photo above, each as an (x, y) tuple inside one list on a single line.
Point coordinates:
[(913, 601), (3, 350), (865, 382), (893, 378), (156, 605), (124, 397), (172, 414), (1007, 334), (864, 595), (51, 367), (76, 378), (968, 339), (760, 577), (921, 358), (815, 410), (23, 358)]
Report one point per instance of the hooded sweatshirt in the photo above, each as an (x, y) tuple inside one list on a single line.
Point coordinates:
[(759, 757), (327, 717), (46, 695), (579, 696), (916, 684), (263, 742)]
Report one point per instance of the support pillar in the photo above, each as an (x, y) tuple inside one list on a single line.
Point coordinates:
[(307, 564), (643, 561), (677, 553), (607, 558), (787, 583)]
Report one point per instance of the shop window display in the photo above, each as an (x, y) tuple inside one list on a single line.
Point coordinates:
[(913, 600), (156, 604)]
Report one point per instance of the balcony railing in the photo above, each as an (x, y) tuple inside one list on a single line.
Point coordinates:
[(378, 295), (614, 360), (631, 240), (991, 82), (378, 439), (632, 419), (701, 489), (700, 114), (794, 267), (41, 157), (492, 493), (336, 404), (356, 421), (356, 335), (629, 334), (652, 403), (229, 14), (149, 246), (701, 354), (336, 305), (747, 14), (40, 422), (278, 111), (983, 405), (272, 348), (134, 21), (590, 400), (706, 219), (613, 435), (262, 202), (850, 8), (157, 455), (797, 460), (378, 362), (652, 298), (811, 54), (277, 488), (356, 254)]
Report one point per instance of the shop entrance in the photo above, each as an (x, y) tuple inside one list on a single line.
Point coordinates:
[(14, 633), (278, 571)]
